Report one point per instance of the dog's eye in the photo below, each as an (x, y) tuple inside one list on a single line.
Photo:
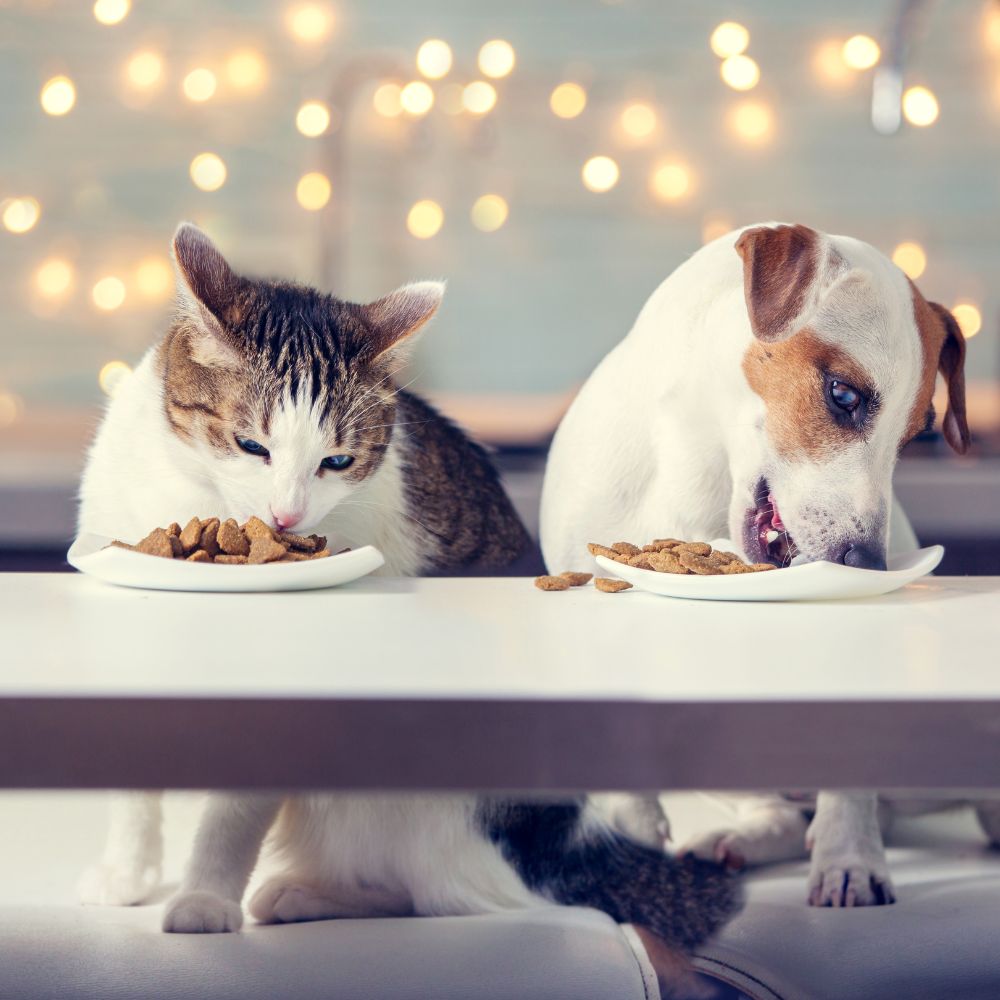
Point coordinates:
[(336, 462), (845, 396), (252, 447)]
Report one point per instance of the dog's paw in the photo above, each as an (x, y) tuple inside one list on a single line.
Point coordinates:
[(117, 884), (850, 881), (727, 847), (201, 913)]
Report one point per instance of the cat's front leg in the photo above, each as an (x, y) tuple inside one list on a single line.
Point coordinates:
[(129, 869), (224, 854)]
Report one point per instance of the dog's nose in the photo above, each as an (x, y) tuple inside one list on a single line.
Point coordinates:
[(862, 557)]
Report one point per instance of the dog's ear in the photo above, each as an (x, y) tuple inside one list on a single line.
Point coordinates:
[(951, 364), (786, 271)]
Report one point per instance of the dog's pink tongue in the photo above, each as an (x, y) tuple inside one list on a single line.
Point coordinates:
[(776, 521)]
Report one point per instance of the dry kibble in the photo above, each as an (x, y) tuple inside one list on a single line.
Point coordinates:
[(174, 529), (762, 567), (609, 586), (697, 548), (210, 536), (322, 554), (552, 583), (626, 548), (191, 536), (294, 556), (602, 550), (641, 561), (265, 550), (230, 560), (300, 542), (200, 556), (156, 543), (672, 555), (256, 528), (176, 548), (577, 579), (232, 541), (667, 562)]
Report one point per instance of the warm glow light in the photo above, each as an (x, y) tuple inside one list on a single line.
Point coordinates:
[(153, 277), (828, 62), (670, 181), (568, 100), (920, 106), (386, 100), (246, 69), (54, 277), (416, 98), (991, 27), (713, 227), (112, 376), (479, 97), (111, 11), (729, 39), (208, 172), (434, 58), (752, 122), (425, 219), (740, 72), (910, 258), (58, 95), (10, 409), (861, 52), (20, 214), (968, 317), (310, 22), (489, 213), (638, 121), (145, 70), (109, 293), (199, 85), (313, 118), (313, 191), (496, 58), (600, 173)]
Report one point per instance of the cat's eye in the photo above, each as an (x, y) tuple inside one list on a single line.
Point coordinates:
[(252, 447), (336, 462)]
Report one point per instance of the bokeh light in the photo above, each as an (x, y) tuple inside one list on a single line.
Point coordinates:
[(670, 181), (425, 219), (638, 120), (910, 258), (387, 100), (108, 293), (600, 174), (828, 64), (991, 27), (20, 215), (479, 97), (416, 98), (246, 70), (54, 278), (199, 85), (208, 172), (153, 278), (313, 191), (752, 122), (58, 96), (489, 213), (112, 376), (111, 11), (313, 118), (920, 106), (145, 70), (11, 408), (309, 22), (568, 100), (729, 39), (861, 52), (740, 72), (434, 58), (968, 317), (496, 59)]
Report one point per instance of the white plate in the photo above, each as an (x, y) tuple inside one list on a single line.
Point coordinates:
[(815, 581), (89, 554)]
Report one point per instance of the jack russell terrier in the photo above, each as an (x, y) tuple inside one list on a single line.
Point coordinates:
[(763, 395)]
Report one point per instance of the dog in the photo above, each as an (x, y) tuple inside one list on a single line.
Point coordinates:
[(763, 395)]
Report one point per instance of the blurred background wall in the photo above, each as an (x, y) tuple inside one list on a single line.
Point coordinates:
[(554, 161)]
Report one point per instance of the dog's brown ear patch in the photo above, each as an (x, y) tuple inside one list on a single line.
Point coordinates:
[(781, 266), (951, 364)]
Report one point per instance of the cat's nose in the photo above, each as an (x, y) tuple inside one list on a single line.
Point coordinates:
[(285, 520)]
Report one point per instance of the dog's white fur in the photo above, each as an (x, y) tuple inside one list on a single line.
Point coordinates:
[(667, 438)]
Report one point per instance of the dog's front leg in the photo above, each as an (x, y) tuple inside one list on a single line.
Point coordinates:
[(848, 857)]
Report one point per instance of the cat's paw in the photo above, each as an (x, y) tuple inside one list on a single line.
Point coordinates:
[(281, 902), (201, 913), (117, 884), (727, 847)]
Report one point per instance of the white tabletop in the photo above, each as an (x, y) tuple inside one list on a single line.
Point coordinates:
[(443, 656)]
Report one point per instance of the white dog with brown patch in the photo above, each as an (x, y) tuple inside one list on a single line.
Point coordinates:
[(763, 395)]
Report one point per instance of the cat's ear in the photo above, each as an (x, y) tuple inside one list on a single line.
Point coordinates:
[(392, 322), (208, 294)]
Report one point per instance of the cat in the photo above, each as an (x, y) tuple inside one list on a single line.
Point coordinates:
[(272, 399)]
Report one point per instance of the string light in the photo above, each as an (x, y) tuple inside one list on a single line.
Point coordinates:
[(828, 63), (434, 58), (199, 85), (479, 97), (246, 70), (861, 52), (108, 294), (425, 219), (752, 122), (58, 96), (387, 100), (208, 172), (313, 191), (920, 106), (19, 215), (111, 11), (416, 98), (112, 376), (600, 174), (145, 70), (309, 23), (713, 227), (729, 39), (489, 213), (670, 181), (496, 59), (153, 278), (54, 278), (969, 319), (313, 118), (638, 120), (568, 100), (740, 72), (10, 409), (910, 258)]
